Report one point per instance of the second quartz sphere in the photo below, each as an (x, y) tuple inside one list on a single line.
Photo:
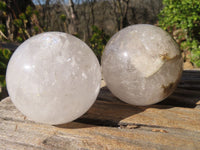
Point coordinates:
[(53, 78), (141, 64)]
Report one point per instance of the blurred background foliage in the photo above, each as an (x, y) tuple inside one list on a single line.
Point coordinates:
[(181, 18), (95, 21), (5, 55), (98, 41), (20, 19)]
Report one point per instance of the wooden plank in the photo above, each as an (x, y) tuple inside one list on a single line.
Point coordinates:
[(106, 95), (187, 99), (115, 114), (190, 80), (191, 72), (16, 133), (180, 97), (155, 115), (81, 136), (187, 93), (11, 46), (112, 124)]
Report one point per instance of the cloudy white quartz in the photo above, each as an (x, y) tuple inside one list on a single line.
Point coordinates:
[(53, 78), (141, 64)]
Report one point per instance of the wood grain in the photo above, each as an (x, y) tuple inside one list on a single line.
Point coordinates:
[(113, 125), (155, 115), (187, 93), (136, 128)]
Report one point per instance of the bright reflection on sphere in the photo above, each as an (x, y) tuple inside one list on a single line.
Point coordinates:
[(53, 78), (141, 64)]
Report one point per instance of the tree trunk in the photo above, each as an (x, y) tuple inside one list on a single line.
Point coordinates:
[(8, 26), (73, 17)]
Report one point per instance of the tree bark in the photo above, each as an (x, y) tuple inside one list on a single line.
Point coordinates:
[(120, 9), (8, 26), (73, 17)]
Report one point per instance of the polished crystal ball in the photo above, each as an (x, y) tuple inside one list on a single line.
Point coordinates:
[(53, 78), (141, 64)]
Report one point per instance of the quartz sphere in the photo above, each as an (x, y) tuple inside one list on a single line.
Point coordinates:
[(141, 64), (53, 78)]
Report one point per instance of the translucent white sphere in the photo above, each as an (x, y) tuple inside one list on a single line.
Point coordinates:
[(53, 78), (141, 64)]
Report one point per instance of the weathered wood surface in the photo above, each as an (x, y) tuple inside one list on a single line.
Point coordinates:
[(113, 125)]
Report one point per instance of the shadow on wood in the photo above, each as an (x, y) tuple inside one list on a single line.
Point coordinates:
[(187, 94), (109, 111)]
